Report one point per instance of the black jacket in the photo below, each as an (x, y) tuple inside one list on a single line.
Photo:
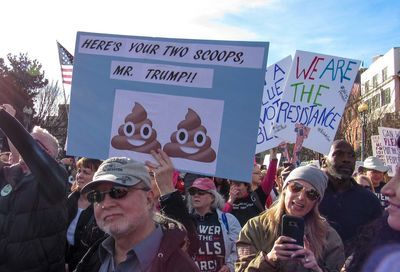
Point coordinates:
[(171, 255), (33, 214), (86, 233), (348, 211), (174, 207)]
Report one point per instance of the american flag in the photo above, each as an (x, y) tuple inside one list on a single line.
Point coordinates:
[(66, 62)]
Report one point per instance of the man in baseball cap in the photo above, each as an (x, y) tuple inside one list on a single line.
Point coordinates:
[(139, 239), (120, 171)]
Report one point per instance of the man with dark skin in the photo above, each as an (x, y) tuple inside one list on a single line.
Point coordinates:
[(346, 205)]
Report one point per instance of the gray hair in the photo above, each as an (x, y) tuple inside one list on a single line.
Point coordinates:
[(218, 202), (51, 139)]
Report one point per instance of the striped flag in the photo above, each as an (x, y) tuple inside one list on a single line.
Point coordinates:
[(66, 62)]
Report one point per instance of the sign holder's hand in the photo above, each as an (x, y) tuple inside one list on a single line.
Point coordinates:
[(163, 169)]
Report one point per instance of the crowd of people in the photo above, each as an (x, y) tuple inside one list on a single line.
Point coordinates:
[(84, 214)]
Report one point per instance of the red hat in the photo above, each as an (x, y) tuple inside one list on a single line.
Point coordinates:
[(204, 184)]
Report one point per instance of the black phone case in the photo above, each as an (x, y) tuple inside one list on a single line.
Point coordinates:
[(293, 227)]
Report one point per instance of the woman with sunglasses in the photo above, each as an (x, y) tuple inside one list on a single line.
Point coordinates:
[(217, 231), (261, 247), (82, 229)]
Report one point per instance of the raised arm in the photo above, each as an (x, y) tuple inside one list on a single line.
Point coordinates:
[(171, 201), (14, 152), (49, 174), (269, 179)]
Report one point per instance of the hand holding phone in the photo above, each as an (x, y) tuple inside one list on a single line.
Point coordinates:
[(292, 228)]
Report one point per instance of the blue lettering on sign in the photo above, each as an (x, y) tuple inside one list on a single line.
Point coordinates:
[(337, 68), (308, 115), (270, 104)]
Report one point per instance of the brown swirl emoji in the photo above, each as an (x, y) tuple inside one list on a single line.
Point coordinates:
[(190, 141), (137, 133)]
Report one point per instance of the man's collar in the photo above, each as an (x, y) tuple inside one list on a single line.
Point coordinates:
[(340, 184)]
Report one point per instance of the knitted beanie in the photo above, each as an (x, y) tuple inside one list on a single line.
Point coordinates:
[(311, 174)]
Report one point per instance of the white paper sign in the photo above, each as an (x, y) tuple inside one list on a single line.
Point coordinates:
[(388, 138), (377, 150), (275, 79), (316, 92)]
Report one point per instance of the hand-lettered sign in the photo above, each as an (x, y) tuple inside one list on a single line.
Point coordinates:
[(275, 79), (314, 98), (388, 141), (377, 149)]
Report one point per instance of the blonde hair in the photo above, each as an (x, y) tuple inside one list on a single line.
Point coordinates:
[(53, 149), (315, 225)]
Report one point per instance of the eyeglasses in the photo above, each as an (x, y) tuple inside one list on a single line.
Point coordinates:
[(96, 196), (193, 191), (296, 187)]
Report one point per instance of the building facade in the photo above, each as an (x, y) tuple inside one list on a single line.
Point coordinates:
[(378, 86)]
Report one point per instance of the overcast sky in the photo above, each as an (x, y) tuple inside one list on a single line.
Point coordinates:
[(355, 29)]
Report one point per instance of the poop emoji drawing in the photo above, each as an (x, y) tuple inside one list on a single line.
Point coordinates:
[(190, 141), (137, 133)]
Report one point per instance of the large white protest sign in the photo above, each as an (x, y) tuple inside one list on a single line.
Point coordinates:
[(194, 99), (315, 95), (275, 79), (388, 138)]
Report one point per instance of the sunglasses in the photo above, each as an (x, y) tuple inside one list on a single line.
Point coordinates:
[(96, 196), (296, 187), (193, 191)]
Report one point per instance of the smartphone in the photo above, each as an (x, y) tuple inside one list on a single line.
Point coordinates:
[(293, 226)]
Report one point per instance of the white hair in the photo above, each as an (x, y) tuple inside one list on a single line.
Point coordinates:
[(218, 202), (53, 148)]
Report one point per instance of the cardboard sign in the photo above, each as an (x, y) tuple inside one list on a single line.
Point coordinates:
[(275, 79), (315, 95), (194, 99), (388, 138)]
